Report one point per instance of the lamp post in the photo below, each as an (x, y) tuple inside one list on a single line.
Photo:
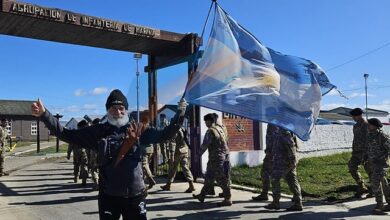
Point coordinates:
[(57, 116), (137, 57), (365, 80)]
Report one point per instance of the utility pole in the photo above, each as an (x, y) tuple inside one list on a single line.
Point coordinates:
[(365, 80), (58, 116)]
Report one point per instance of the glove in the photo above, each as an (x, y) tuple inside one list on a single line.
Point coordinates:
[(182, 106)]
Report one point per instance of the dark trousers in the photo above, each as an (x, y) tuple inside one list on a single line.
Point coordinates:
[(112, 207)]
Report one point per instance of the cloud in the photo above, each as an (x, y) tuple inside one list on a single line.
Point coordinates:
[(99, 90), (90, 107), (80, 92), (72, 108), (357, 94), (95, 91), (384, 106), (330, 106)]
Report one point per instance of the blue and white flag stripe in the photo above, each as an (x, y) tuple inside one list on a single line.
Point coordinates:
[(239, 75)]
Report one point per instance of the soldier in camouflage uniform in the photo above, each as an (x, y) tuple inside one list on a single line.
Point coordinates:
[(218, 166), (223, 127), (148, 151), (359, 151), (164, 149), (80, 159), (181, 157), (266, 168), (93, 164), (378, 151), (284, 164), (3, 144)]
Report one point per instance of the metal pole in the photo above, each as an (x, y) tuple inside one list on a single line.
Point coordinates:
[(137, 57), (365, 80), (137, 73)]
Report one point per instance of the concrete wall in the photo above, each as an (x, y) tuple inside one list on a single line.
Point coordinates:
[(329, 139)]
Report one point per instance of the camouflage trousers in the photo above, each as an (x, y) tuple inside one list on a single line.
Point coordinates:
[(265, 173), (93, 165), (80, 161), (182, 160), (219, 173), (286, 169), (145, 167), (379, 183), (164, 150), (2, 158), (353, 166)]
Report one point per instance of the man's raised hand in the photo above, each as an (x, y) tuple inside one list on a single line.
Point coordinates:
[(37, 108)]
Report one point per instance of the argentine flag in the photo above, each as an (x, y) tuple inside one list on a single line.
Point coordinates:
[(239, 75)]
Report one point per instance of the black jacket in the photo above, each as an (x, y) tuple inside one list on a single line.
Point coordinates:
[(125, 179)]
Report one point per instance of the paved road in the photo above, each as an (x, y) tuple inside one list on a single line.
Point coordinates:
[(45, 190)]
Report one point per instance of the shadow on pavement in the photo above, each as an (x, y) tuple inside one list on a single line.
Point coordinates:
[(215, 214), (326, 215), (58, 202)]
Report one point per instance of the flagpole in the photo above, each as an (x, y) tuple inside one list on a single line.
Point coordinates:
[(197, 48)]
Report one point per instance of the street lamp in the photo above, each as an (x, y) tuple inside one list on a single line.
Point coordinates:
[(137, 57), (57, 116), (365, 80)]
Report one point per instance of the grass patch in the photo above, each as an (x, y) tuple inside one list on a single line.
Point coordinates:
[(63, 148), (324, 177)]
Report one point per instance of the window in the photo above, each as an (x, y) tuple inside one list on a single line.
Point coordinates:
[(34, 128), (9, 128)]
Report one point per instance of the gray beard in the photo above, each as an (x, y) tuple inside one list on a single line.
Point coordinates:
[(119, 122)]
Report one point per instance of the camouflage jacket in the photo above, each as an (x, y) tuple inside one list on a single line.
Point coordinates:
[(378, 147), (284, 146), (360, 130), (215, 141), (181, 145), (269, 138)]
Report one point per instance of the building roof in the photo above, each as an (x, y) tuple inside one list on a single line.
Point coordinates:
[(16, 109), (334, 116), (345, 111), (170, 107)]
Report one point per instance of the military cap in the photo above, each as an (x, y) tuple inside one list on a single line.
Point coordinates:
[(210, 117), (356, 112), (82, 123), (96, 121), (375, 122)]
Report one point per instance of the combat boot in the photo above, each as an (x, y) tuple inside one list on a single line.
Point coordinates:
[(386, 208), (211, 192), (360, 190), (378, 210), (225, 202), (191, 187), (84, 182), (273, 205), (297, 206), (166, 187), (199, 197), (261, 197), (75, 179), (152, 182)]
